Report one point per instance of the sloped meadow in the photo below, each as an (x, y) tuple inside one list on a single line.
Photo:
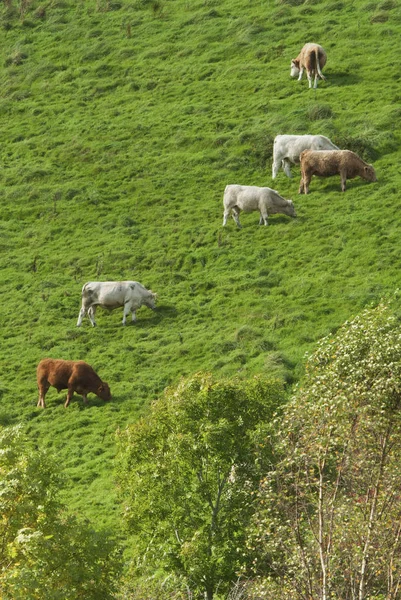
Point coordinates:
[(121, 123)]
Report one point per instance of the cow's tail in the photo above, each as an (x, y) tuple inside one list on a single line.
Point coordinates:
[(318, 64)]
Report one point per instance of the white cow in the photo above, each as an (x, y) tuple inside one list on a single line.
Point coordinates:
[(251, 198), (113, 294), (287, 148)]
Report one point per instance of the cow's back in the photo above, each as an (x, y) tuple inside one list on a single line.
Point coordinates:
[(251, 198), (245, 197), (291, 146), (108, 293), (308, 55), (321, 142), (56, 371), (323, 162), (80, 368)]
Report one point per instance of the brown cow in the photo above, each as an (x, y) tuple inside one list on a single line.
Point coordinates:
[(325, 163), (312, 58), (72, 375)]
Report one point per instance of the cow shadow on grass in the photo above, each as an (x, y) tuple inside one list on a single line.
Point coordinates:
[(341, 78), (335, 187), (279, 219), (161, 312), (255, 225), (144, 320)]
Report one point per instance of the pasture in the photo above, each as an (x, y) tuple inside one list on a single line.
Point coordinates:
[(121, 124)]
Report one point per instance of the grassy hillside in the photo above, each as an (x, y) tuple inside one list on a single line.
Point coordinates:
[(120, 125)]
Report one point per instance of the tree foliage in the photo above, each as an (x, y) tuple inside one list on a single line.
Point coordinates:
[(188, 472), (328, 524), (44, 552)]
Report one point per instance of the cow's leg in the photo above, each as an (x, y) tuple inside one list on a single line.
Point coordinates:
[(226, 215), (301, 72), (91, 315), (287, 167), (235, 213), (43, 389), (301, 185), (70, 394), (276, 167), (133, 316), (263, 218), (81, 315), (309, 76), (343, 177), (127, 310), (316, 78), (85, 399)]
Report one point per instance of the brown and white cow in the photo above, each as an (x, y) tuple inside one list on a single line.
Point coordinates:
[(113, 294), (312, 58), (325, 163), (72, 375)]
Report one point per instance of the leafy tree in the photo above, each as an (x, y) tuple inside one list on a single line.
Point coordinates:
[(188, 472), (328, 523), (44, 552)]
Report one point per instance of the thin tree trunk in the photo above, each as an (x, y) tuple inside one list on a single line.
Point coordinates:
[(208, 594), (333, 500), (372, 516), (392, 587), (300, 540), (321, 533)]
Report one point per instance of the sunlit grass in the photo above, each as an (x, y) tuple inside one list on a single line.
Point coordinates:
[(121, 123)]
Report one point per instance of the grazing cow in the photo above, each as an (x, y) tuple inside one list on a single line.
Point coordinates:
[(113, 294), (72, 375), (249, 198), (325, 163), (312, 58), (287, 148)]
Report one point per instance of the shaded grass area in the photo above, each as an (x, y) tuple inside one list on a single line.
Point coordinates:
[(121, 123)]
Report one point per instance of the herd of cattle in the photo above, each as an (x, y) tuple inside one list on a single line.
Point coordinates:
[(316, 154)]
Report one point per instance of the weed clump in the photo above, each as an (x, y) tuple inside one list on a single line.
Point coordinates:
[(387, 5), (261, 146), (361, 145), (40, 12), (319, 111), (380, 17), (335, 6), (16, 58)]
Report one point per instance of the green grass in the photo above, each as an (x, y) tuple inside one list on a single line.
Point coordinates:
[(120, 125)]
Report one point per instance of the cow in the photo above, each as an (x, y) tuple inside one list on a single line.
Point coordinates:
[(312, 58), (325, 163), (287, 148), (72, 375), (114, 294), (250, 198)]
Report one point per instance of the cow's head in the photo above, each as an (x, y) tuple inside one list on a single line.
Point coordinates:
[(150, 300), (103, 391), (294, 68), (369, 173)]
